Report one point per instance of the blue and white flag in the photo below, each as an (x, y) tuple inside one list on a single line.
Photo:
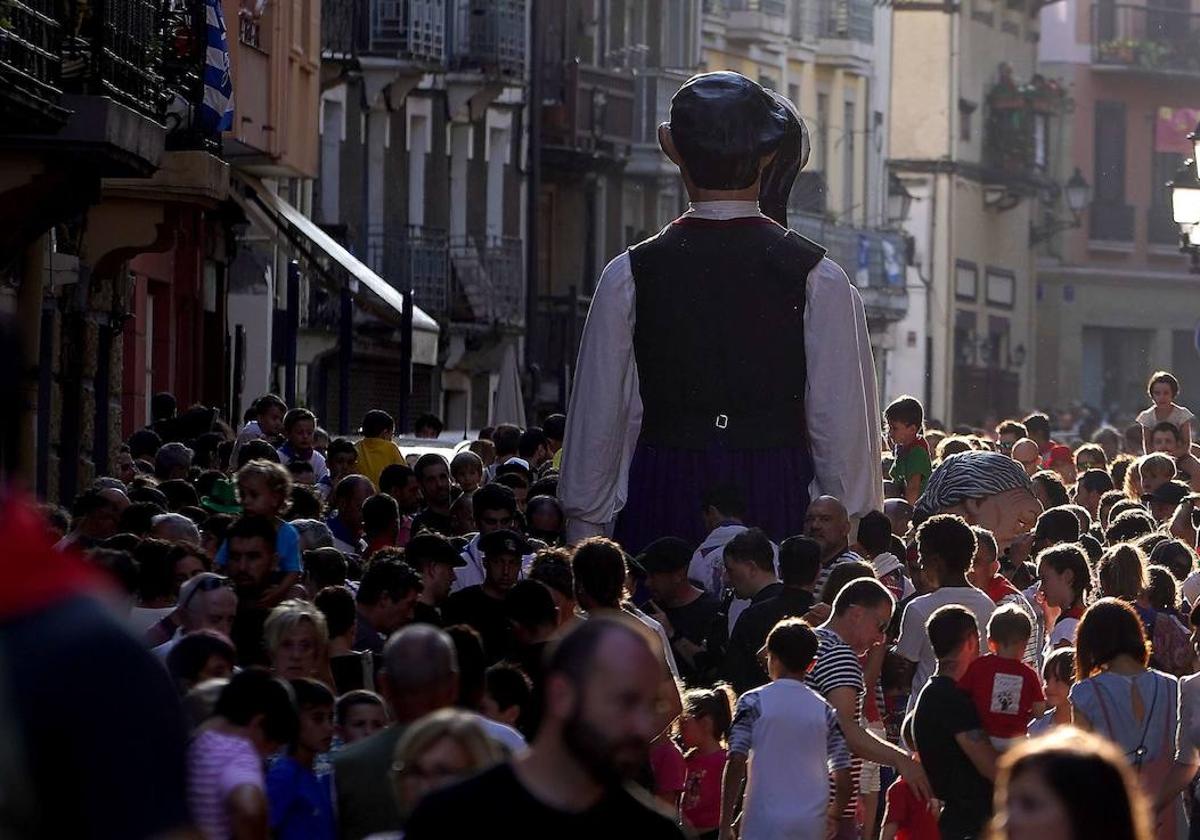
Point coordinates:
[(216, 108)]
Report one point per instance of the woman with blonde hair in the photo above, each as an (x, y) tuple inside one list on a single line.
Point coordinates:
[(297, 641), (1068, 785), (435, 752)]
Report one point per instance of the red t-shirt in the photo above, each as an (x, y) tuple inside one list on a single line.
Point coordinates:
[(1003, 691), (666, 762), (702, 795), (913, 819)]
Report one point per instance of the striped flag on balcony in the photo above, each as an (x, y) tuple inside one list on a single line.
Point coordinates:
[(216, 109)]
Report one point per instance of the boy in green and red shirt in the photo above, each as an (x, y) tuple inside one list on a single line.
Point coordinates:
[(912, 466)]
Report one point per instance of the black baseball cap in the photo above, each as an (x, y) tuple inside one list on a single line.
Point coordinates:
[(432, 548), (666, 554), (504, 542)]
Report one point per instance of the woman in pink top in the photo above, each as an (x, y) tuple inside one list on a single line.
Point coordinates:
[(704, 731), (254, 717)]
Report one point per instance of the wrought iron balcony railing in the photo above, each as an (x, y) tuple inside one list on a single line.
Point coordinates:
[(417, 258), (488, 35), (1146, 38), (113, 48), (489, 279), (775, 8), (846, 20), (874, 260), (411, 30), (31, 63), (588, 109)]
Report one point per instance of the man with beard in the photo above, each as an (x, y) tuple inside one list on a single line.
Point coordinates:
[(253, 566), (599, 717)]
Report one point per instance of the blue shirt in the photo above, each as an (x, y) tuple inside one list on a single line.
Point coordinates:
[(287, 546), (301, 802)]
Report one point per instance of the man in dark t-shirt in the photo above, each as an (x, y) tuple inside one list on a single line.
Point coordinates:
[(685, 611), (957, 754), (573, 782), (482, 606)]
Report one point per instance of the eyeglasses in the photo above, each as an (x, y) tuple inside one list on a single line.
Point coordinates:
[(206, 585)]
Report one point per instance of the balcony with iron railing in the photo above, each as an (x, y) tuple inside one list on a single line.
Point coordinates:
[(1146, 39), (144, 57), (489, 280), (31, 64), (1020, 117), (113, 48), (588, 110), (415, 258), (846, 20), (754, 20), (487, 36), (874, 260), (407, 30)]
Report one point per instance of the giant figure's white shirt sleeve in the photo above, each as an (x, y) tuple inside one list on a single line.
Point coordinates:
[(841, 404), (605, 412)]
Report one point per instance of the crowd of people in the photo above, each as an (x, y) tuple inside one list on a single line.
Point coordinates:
[(323, 638)]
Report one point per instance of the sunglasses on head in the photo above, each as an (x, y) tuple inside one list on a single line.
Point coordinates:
[(207, 585)]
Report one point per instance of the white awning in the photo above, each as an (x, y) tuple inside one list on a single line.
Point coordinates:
[(337, 266)]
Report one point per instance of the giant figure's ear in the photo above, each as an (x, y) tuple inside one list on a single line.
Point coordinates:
[(775, 186), (667, 143)]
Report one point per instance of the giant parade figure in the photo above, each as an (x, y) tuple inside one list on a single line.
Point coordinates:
[(726, 351)]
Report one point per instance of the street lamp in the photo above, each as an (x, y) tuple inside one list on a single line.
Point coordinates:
[(1185, 206), (1194, 139), (1078, 194), (1185, 195), (899, 200)]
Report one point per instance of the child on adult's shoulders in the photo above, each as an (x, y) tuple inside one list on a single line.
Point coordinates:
[(1163, 389), (912, 465)]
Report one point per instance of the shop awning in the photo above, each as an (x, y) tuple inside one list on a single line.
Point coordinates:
[(336, 267)]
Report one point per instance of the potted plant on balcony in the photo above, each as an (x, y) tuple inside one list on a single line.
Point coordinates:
[(1151, 54), (1117, 51), (1045, 96), (1011, 115)]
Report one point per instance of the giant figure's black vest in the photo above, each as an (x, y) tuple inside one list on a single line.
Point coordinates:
[(719, 333)]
